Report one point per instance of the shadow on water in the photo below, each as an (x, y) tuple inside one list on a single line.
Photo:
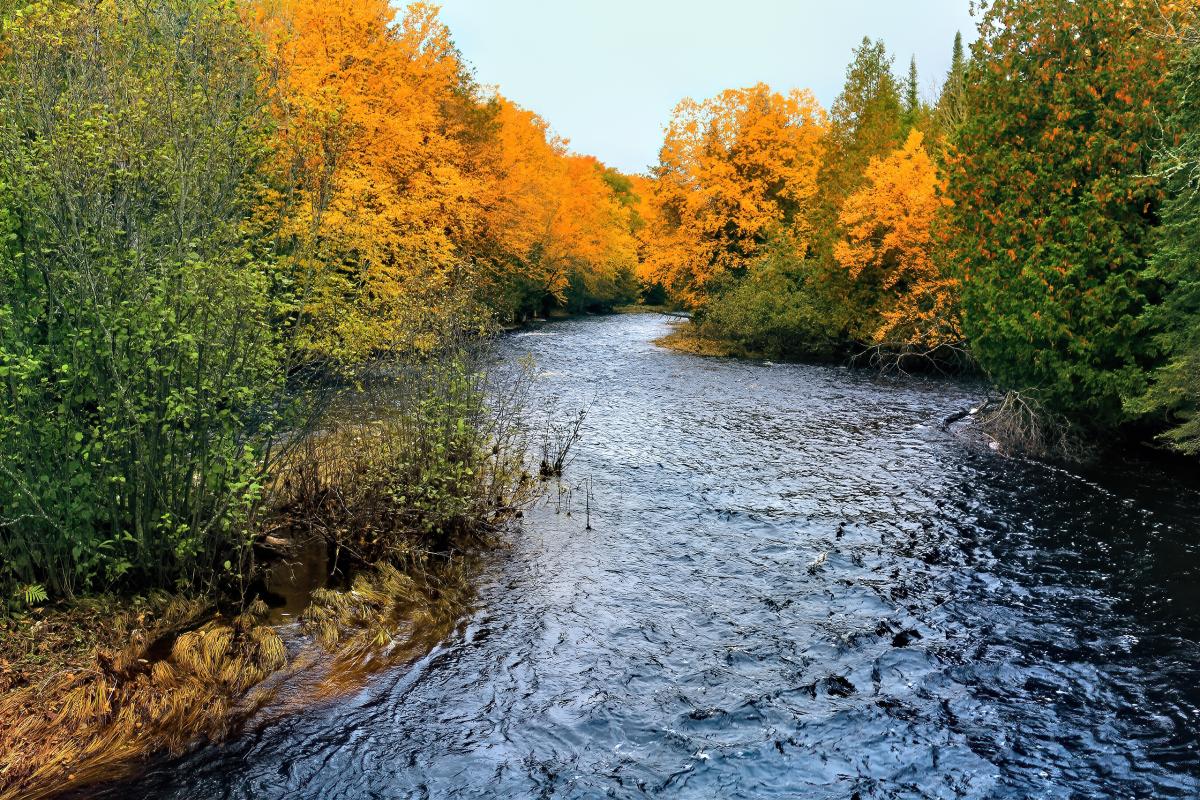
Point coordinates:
[(795, 585)]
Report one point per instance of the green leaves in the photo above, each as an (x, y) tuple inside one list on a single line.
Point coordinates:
[(138, 363), (1052, 204)]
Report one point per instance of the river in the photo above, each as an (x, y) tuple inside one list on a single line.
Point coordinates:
[(795, 585)]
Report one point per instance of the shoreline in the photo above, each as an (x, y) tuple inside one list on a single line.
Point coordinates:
[(83, 709)]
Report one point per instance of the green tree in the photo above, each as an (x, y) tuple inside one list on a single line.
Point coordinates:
[(1176, 387), (138, 361), (865, 119), (912, 97), (1053, 201), (951, 105)]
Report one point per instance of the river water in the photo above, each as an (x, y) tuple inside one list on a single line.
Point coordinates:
[(794, 586)]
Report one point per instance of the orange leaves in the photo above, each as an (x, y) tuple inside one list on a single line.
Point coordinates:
[(396, 175), (552, 213), (734, 171), (888, 249), (375, 183)]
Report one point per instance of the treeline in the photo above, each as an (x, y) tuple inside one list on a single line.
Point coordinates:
[(1035, 220), (215, 215)]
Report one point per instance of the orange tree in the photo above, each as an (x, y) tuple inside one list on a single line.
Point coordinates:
[(374, 169), (553, 220), (902, 297), (735, 171)]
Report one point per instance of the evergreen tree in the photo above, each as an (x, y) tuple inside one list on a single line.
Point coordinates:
[(951, 105), (912, 100), (1176, 389), (1053, 201), (865, 120)]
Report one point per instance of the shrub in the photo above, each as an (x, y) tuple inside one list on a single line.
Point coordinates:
[(138, 364)]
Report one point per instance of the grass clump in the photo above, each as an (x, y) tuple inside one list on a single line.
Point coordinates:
[(93, 720)]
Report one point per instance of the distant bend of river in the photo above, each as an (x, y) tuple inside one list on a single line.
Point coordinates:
[(795, 586)]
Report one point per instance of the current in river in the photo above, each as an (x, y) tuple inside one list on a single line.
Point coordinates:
[(794, 585)]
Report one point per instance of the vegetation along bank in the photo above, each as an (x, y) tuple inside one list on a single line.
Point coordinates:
[(251, 255)]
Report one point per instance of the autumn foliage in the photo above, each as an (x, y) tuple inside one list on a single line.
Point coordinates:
[(735, 171), (397, 177), (888, 250)]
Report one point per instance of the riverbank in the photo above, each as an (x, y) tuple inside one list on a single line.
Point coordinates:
[(94, 688), (684, 339), (377, 520)]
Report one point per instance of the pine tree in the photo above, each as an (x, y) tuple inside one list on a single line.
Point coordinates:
[(951, 105), (912, 100), (865, 120)]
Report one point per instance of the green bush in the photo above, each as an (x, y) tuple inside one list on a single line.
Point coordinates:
[(138, 361), (775, 311)]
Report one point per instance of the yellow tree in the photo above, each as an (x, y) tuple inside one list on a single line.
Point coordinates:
[(550, 214), (374, 172), (888, 251), (735, 171)]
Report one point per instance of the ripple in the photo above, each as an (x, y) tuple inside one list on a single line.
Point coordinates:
[(795, 586)]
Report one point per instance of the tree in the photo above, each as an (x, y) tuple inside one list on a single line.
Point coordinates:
[(1053, 200), (951, 106), (735, 171), (139, 370), (375, 179), (912, 99), (1175, 389), (557, 220), (864, 121), (906, 301)]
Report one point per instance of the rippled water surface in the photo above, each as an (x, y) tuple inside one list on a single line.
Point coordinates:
[(795, 585)]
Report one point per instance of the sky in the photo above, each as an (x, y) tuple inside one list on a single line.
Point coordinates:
[(606, 74)]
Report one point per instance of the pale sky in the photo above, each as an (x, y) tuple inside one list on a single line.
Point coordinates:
[(606, 74)]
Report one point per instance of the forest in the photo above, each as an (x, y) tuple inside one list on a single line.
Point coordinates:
[(227, 226)]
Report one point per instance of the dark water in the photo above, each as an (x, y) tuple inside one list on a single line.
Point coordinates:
[(795, 585)]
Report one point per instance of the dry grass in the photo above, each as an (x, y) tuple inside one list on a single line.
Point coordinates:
[(49, 639), (685, 339), (80, 725), (98, 718)]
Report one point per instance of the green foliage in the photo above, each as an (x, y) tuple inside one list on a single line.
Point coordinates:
[(426, 452), (31, 594), (137, 360), (865, 120), (1053, 202), (951, 107), (1175, 392), (775, 311)]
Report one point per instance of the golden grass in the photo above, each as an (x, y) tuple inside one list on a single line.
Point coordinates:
[(81, 725), (685, 339), (97, 722)]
